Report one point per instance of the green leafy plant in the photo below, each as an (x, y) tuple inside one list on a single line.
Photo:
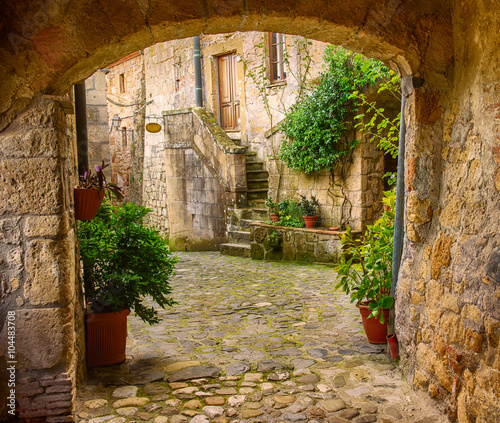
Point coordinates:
[(124, 261), (309, 207), (275, 241), (317, 125), (290, 214), (272, 207), (366, 265)]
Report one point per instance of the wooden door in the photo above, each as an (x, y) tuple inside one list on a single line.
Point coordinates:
[(229, 97)]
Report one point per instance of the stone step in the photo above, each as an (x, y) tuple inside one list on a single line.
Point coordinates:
[(251, 156), (257, 203), (251, 213), (239, 250), (253, 184), (257, 174), (257, 194), (239, 237), (245, 223), (254, 166)]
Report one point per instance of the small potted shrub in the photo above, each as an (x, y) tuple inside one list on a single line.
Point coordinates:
[(309, 210), (123, 261), (272, 209), (290, 214), (90, 192), (365, 271)]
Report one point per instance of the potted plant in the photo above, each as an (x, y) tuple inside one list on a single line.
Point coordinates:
[(309, 210), (90, 192), (365, 271), (272, 209), (123, 261)]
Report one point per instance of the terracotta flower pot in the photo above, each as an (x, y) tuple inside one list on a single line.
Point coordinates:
[(106, 335), (310, 221), (376, 332), (275, 218), (87, 203), (393, 345)]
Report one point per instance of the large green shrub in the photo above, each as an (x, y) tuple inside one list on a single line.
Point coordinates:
[(316, 127), (124, 261)]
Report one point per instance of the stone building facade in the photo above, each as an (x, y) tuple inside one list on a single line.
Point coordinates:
[(448, 297), (160, 81)]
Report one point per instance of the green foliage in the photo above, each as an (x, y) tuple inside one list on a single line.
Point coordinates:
[(316, 125), (275, 241), (272, 207), (366, 265), (309, 207), (290, 214), (124, 261), (379, 127)]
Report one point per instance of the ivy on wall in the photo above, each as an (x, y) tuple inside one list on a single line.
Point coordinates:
[(317, 126)]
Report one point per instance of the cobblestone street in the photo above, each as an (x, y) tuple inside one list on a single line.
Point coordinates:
[(257, 341)]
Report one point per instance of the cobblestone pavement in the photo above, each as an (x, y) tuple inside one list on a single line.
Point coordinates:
[(252, 341)]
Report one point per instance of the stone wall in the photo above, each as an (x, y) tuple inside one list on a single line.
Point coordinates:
[(38, 266), (448, 300), (127, 98), (97, 122), (294, 244)]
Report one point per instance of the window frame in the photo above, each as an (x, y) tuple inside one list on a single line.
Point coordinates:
[(276, 64)]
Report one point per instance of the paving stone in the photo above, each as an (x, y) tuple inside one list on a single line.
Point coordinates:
[(366, 419), (199, 419), (95, 403), (287, 352), (226, 391), (215, 401), (321, 387), (178, 385), (131, 402), (189, 413), (254, 377), (151, 408), (160, 419), (334, 358), (236, 400), (335, 419), (295, 417), (302, 363), (338, 381), (308, 388), (194, 372), (250, 414), (332, 405), (278, 375), (393, 412), (231, 412), (315, 413), (142, 415), (160, 397), (173, 402), (213, 411), (126, 411), (349, 413), (370, 409), (310, 378), (318, 352), (285, 399), (253, 405), (238, 369), (193, 405), (179, 418), (269, 365)]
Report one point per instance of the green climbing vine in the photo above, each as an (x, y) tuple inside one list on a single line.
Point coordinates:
[(318, 126)]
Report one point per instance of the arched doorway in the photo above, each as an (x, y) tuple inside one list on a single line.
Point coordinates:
[(448, 324)]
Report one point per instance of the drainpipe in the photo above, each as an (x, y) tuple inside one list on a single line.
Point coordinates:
[(81, 127), (197, 72), (399, 213)]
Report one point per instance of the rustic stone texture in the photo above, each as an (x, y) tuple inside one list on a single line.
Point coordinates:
[(441, 255)]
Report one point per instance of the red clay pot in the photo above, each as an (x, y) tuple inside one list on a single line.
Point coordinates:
[(87, 203), (106, 338), (310, 221), (275, 218), (376, 332), (393, 345)]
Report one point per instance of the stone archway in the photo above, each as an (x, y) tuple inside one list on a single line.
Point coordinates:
[(448, 313)]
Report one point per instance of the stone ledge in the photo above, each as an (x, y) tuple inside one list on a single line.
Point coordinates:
[(315, 231)]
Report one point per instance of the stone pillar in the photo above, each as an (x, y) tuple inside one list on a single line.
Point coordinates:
[(37, 263)]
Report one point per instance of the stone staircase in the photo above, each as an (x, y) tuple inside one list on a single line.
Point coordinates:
[(257, 191)]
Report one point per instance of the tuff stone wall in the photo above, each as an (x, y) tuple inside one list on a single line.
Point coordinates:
[(38, 266), (97, 121), (294, 244), (196, 198), (448, 301), (128, 98)]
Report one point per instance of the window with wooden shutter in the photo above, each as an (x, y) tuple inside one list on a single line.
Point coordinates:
[(276, 61)]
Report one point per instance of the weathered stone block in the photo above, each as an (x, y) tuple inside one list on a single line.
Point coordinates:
[(49, 332), (43, 226), (441, 255), (418, 211)]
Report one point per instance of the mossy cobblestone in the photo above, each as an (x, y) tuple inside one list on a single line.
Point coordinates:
[(251, 341)]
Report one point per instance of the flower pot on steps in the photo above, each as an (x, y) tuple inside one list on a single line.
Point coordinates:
[(310, 221)]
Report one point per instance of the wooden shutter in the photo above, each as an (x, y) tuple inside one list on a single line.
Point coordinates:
[(228, 93)]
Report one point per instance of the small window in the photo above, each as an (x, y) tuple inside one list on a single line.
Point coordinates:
[(122, 82), (276, 48)]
